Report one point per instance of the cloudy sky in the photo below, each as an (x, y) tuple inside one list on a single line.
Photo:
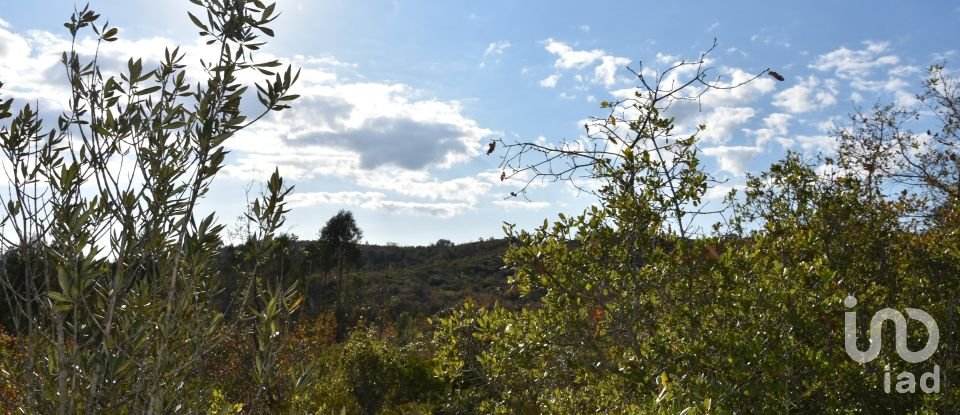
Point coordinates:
[(400, 98)]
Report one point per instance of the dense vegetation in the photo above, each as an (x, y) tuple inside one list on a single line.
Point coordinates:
[(393, 282), (121, 300)]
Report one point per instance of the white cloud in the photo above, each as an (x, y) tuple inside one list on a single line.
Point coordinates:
[(300, 200), (511, 204), (688, 112), (385, 124), (605, 66), (860, 67), (512, 181), (568, 58), (550, 81), (496, 48), (376, 201), (719, 191), (606, 71), (733, 159), (666, 59), (775, 125), (31, 68), (811, 144), (817, 143), (422, 185), (585, 28), (713, 27), (904, 70), (441, 210), (807, 96), (748, 92), (722, 121), (854, 64), (891, 84), (4, 24)]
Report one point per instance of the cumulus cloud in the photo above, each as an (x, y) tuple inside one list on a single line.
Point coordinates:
[(666, 59), (385, 138), (874, 69), (605, 66), (722, 121), (376, 201), (403, 142), (31, 68), (423, 185), (606, 71), (348, 198), (383, 124), (550, 81), (807, 96), (745, 93), (733, 159), (774, 125), (851, 64), (817, 143), (736, 102), (568, 58), (904, 70)]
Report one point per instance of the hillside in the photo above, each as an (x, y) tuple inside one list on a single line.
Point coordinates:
[(392, 280), (421, 280)]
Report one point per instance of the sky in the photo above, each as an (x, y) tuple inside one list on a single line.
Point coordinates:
[(399, 99)]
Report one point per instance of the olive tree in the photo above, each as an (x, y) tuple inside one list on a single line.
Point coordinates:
[(112, 294)]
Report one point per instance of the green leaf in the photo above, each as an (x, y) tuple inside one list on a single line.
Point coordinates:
[(149, 90), (110, 35), (268, 11), (197, 22), (58, 297)]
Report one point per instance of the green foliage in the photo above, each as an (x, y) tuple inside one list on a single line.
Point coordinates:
[(111, 293), (639, 313), (338, 242)]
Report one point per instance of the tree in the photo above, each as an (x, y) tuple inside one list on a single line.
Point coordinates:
[(339, 240), (622, 308), (639, 312), (924, 167), (117, 293)]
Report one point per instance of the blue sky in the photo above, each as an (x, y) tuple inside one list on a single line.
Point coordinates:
[(400, 97)]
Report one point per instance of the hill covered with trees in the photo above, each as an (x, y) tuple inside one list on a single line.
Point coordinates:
[(393, 280)]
